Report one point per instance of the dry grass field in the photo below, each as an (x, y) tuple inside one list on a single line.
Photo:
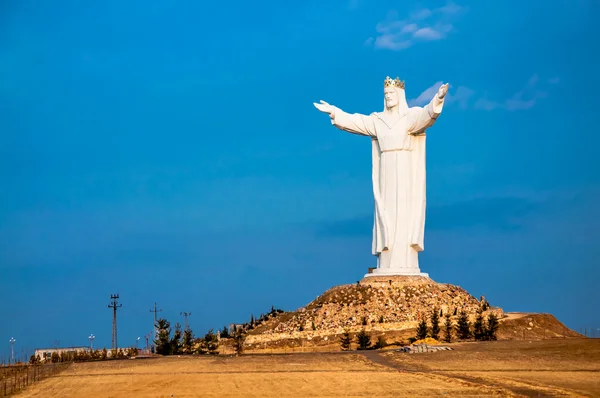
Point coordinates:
[(548, 367), (543, 368)]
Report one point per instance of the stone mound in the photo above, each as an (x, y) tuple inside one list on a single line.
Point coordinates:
[(527, 326), (381, 303)]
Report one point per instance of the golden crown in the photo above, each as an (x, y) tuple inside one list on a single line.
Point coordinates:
[(393, 83)]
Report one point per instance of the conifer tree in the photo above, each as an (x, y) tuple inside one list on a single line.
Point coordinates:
[(210, 343), (162, 342), (463, 327), (345, 340), (435, 324), (381, 343), (363, 340), (448, 328), (187, 342), (422, 329), (491, 327), (176, 345), (239, 338), (478, 327), (225, 333)]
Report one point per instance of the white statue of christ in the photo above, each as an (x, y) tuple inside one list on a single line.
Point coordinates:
[(398, 150)]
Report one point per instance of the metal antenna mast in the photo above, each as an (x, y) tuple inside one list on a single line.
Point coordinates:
[(185, 319), (114, 306)]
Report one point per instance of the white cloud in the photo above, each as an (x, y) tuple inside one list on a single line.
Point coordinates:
[(461, 96), (425, 96), (421, 14), (523, 99), (486, 105), (428, 34), (421, 25), (451, 8)]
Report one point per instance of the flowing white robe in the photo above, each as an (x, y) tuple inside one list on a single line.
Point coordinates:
[(398, 151)]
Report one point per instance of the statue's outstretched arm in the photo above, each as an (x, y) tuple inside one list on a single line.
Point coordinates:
[(352, 123), (424, 118)]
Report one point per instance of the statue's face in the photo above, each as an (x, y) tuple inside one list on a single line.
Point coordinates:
[(391, 97)]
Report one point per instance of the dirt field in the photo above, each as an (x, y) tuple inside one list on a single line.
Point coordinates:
[(543, 368), (551, 367)]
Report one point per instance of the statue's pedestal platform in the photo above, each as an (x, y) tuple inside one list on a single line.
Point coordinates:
[(397, 280), (373, 272)]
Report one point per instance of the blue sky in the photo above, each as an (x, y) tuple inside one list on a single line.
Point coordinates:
[(170, 152)]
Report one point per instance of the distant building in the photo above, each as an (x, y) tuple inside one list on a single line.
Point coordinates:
[(46, 353)]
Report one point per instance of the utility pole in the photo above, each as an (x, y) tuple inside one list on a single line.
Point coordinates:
[(12, 348), (114, 306), (91, 337), (147, 337), (155, 311), (185, 317)]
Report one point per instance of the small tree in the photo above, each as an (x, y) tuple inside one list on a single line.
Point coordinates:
[(176, 346), (187, 342), (381, 320), (210, 343), (345, 340), (162, 342), (492, 327), (364, 321), (381, 343), (463, 327), (363, 340), (104, 354), (447, 328), (478, 327), (239, 338), (225, 333), (435, 324), (313, 326), (422, 330)]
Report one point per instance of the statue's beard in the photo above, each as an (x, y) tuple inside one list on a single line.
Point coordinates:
[(401, 106)]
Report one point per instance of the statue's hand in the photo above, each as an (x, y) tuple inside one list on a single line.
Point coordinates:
[(443, 90), (324, 107)]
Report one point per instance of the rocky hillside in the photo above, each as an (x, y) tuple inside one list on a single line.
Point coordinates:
[(379, 303), (526, 326)]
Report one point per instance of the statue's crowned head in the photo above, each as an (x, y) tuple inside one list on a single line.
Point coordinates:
[(394, 96)]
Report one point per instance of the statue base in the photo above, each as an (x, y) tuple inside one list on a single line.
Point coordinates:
[(395, 272)]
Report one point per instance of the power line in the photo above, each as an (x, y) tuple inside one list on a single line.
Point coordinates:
[(185, 319), (114, 306)]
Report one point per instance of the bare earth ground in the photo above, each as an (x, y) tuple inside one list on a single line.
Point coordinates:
[(505, 368), (559, 367)]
